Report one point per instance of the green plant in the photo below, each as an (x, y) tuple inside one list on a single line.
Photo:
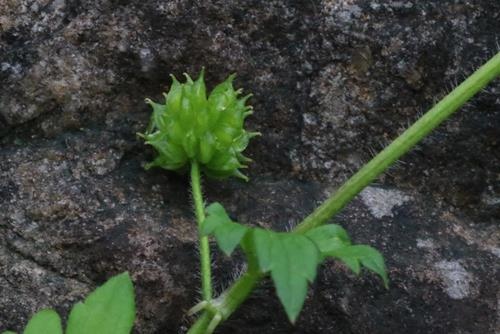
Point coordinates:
[(208, 133), (205, 133), (110, 309)]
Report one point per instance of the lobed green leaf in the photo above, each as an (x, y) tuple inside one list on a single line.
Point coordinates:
[(365, 255), (291, 258), (216, 216), (262, 246), (329, 237), (229, 236), (294, 259), (227, 233)]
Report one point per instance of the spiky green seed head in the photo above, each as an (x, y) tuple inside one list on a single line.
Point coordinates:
[(191, 127)]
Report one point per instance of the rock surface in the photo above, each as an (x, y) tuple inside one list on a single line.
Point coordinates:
[(333, 82)]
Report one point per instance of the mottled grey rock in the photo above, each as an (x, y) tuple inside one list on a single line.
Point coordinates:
[(333, 82)]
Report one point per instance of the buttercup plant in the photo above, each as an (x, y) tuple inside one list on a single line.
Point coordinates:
[(209, 133), (205, 133)]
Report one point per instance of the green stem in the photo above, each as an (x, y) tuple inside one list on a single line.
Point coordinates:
[(477, 81), (236, 294), (206, 277), (201, 325), (228, 301), (421, 128)]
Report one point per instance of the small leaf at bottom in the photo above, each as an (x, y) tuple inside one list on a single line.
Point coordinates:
[(110, 309), (44, 322)]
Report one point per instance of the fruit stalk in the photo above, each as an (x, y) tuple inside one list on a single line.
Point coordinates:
[(206, 276)]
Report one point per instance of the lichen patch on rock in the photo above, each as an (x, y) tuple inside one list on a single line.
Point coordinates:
[(457, 282), (382, 201)]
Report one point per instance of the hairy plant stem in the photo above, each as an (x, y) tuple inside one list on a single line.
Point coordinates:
[(206, 276), (435, 116), (413, 135)]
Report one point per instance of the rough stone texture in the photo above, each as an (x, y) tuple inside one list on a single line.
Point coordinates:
[(333, 80)]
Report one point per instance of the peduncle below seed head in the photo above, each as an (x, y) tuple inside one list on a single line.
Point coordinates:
[(190, 126)]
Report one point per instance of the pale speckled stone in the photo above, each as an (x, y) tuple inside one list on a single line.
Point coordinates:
[(382, 201), (456, 280)]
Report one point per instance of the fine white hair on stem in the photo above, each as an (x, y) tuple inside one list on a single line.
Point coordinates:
[(408, 124), (341, 216), (191, 198), (373, 151), (290, 225), (199, 291), (401, 162), (383, 143), (350, 169), (417, 148), (397, 165), (389, 172), (420, 113), (239, 271), (236, 272)]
